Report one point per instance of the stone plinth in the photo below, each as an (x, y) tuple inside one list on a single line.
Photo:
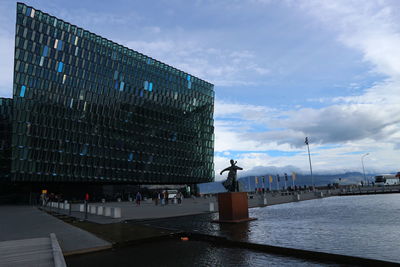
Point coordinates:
[(233, 207)]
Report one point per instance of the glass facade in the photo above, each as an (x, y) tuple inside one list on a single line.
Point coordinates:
[(89, 110), (5, 137)]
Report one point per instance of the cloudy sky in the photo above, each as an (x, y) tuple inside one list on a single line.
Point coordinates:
[(282, 70)]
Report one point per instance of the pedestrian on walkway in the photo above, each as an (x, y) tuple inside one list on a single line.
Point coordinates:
[(138, 198), (162, 198), (179, 197), (156, 197), (166, 197)]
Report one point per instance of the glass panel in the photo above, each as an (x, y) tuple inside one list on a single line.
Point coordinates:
[(23, 89), (60, 66), (59, 45)]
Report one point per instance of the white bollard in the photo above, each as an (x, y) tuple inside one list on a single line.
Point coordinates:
[(116, 212), (66, 206), (297, 197), (93, 209), (62, 206), (265, 201), (82, 207), (107, 211), (119, 199), (100, 210), (211, 207), (103, 200)]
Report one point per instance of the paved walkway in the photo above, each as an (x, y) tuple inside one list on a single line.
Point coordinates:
[(190, 206), (43, 252), (27, 252), (26, 222)]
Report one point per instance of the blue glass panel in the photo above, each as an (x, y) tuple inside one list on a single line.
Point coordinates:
[(150, 87), (130, 158), (173, 137), (115, 75), (60, 66), (116, 85), (84, 150), (146, 85), (59, 45), (45, 51), (189, 84), (23, 89), (121, 86), (188, 77), (28, 11)]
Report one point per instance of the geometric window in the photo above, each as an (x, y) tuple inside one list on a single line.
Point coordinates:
[(45, 51), (60, 66), (22, 93)]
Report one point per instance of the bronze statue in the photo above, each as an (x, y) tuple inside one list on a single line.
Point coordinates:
[(230, 183)]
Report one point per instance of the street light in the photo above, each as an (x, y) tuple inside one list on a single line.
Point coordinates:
[(362, 163), (309, 158)]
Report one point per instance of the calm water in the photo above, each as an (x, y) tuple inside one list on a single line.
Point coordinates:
[(365, 226), (178, 253)]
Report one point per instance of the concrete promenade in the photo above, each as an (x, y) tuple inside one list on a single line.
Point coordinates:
[(190, 206), (26, 222)]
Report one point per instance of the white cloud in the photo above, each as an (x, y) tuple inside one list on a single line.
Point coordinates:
[(7, 63), (223, 67), (369, 121)]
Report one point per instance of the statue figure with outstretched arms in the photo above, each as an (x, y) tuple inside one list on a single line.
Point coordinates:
[(230, 183)]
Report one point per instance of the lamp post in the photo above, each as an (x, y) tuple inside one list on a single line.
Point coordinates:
[(309, 158), (362, 163)]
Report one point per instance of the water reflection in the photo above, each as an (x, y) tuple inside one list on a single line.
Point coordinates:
[(363, 226), (178, 253), (238, 231)]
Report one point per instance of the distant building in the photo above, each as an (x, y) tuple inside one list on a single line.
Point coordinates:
[(87, 110)]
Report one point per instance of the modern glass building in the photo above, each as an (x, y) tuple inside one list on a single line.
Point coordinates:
[(88, 110), (5, 137)]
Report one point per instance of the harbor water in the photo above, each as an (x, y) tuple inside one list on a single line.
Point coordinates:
[(364, 226)]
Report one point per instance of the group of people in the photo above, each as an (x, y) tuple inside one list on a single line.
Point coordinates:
[(162, 197)]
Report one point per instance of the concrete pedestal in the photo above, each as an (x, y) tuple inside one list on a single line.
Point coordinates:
[(233, 207)]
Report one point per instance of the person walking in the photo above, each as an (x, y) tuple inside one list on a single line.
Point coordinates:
[(157, 197), (179, 197), (162, 198), (138, 198), (166, 197)]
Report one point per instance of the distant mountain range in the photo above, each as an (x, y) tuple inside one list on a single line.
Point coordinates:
[(249, 183)]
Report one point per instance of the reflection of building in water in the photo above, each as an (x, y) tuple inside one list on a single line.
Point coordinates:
[(87, 110)]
